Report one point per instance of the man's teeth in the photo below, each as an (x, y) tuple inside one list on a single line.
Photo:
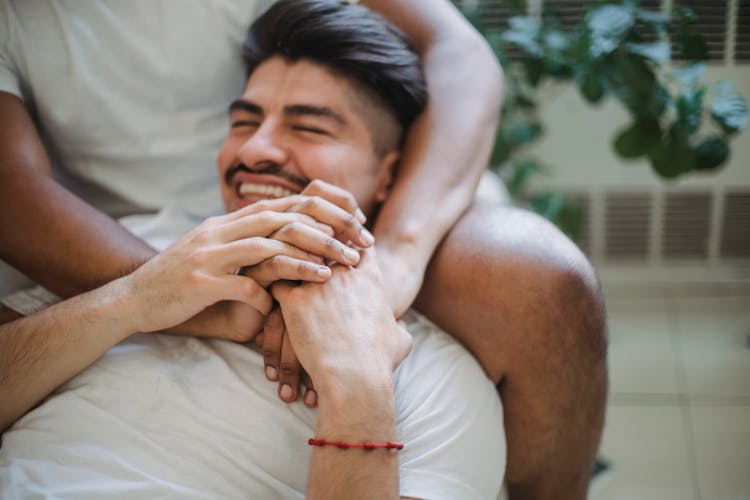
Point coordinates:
[(264, 189)]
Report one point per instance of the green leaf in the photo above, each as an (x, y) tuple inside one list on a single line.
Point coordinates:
[(674, 156), (608, 26), (711, 153), (659, 52), (638, 139), (534, 70), (690, 109), (501, 152), (522, 132), (524, 32), (522, 172), (556, 40), (690, 73), (729, 111), (591, 86), (565, 213), (653, 18)]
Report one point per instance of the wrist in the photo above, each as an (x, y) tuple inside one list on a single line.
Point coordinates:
[(357, 409), (113, 309)]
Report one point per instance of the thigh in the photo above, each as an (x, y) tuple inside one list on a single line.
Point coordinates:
[(525, 301)]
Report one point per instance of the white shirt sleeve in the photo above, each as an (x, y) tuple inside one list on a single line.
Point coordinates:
[(9, 77)]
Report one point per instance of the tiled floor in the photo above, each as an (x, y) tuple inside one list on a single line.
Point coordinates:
[(678, 421)]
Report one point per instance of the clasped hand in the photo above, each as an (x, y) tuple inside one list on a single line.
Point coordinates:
[(194, 286)]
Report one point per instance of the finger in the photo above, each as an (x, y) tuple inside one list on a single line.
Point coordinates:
[(346, 225), (249, 252), (241, 289), (265, 223), (259, 339), (311, 397), (289, 371), (317, 243), (336, 195), (273, 205), (283, 267), (280, 290), (273, 332)]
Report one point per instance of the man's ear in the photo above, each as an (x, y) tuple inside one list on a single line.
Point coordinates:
[(386, 174)]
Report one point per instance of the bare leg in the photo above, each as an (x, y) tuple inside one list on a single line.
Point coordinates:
[(526, 302)]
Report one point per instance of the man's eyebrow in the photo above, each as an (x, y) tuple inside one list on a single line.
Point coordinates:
[(308, 109), (248, 106)]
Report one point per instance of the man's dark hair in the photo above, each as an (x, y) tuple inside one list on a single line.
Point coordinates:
[(348, 39)]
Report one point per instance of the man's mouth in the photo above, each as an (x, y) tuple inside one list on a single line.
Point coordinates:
[(249, 189)]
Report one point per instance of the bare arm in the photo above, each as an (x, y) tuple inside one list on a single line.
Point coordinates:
[(346, 338), (447, 147), (52, 236), (42, 351)]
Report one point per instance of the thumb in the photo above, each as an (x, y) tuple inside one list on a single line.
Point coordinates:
[(280, 290)]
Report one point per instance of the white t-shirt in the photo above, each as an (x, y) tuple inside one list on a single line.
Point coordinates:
[(131, 96), (176, 417)]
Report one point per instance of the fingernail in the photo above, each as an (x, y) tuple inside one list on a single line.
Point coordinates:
[(360, 216), (286, 392), (367, 237), (311, 398), (271, 373), (351, 255), (323, 272)]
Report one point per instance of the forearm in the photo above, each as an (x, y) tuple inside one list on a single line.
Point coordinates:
[(448, 147), (49, 234), (42, 351), (58, 240), (355, 411)]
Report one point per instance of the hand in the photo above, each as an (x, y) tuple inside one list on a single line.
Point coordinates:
[(343, 326), (199, 269), (339, 210)]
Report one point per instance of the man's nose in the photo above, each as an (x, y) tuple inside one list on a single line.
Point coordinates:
[(264, 146)]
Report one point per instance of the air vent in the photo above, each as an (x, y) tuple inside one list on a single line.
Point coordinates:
[(686, 222), (570, 11), (742, 37), (627, 226), (735, 227), (494, 14)]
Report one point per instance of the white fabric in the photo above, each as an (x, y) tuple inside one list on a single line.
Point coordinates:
[(177, 417), (174, 417), (132, 96)]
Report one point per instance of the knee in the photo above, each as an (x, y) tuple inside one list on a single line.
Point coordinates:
[(540, 273)]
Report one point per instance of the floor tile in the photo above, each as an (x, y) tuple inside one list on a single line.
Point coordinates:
[(648, 454), (642, 347), (713, 338), (722, 444)]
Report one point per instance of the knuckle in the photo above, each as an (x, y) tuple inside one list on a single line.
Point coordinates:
[(198, 257), (270, 355), (351, 221), (331, 243), (289, 368), (266, 217)]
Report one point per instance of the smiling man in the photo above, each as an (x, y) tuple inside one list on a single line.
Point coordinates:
[(160, 416)]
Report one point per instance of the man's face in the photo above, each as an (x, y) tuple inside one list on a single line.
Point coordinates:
[(296, 122)]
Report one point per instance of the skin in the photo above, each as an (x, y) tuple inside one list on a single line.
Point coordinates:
[(343, 330), (78, 248)]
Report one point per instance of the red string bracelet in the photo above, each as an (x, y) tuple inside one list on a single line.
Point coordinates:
[(389, 445)]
